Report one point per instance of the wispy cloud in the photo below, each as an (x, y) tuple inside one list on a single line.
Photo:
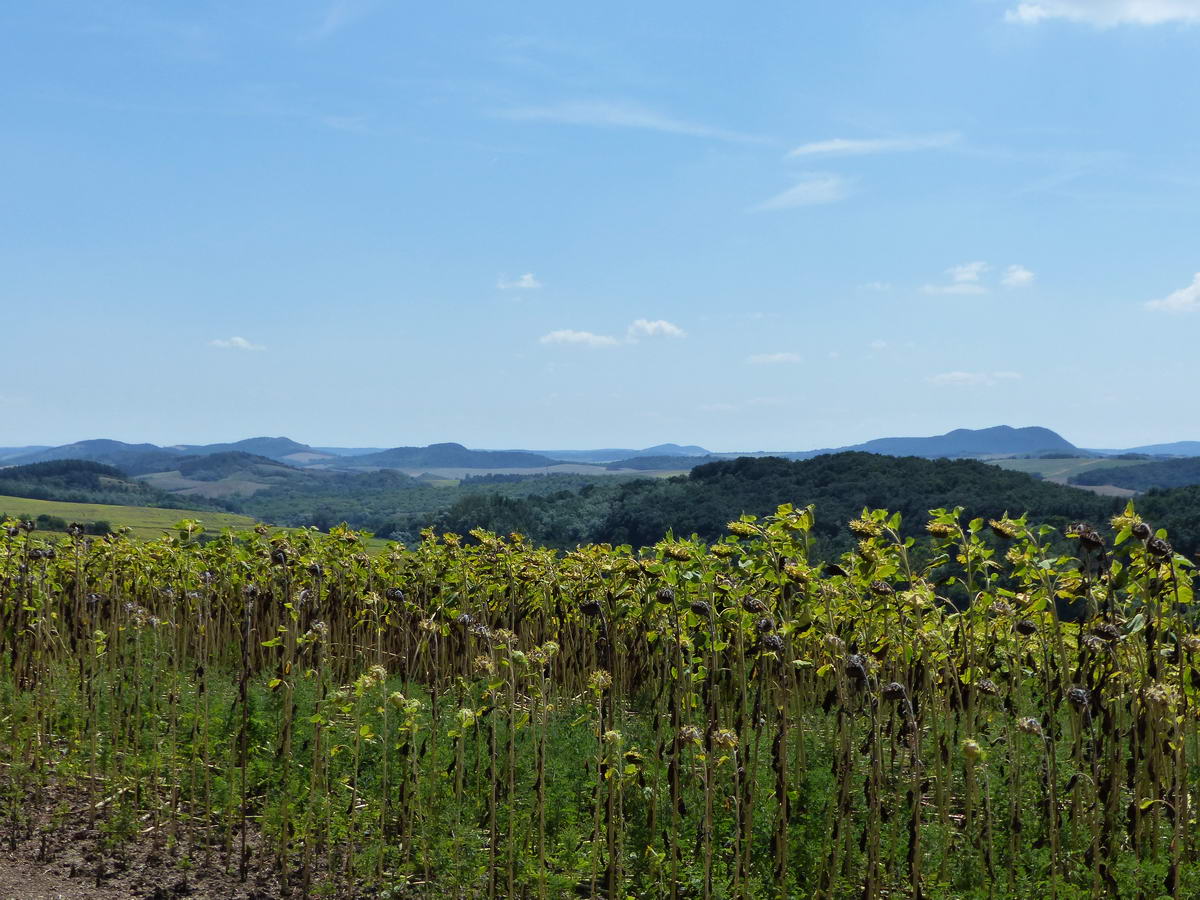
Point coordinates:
[(641, 328), (235, 343), (878, 345), (638, 329), (877, 286), (814, 189), (863, 146), (582, 338), (1017, 276), (1106, 13), (773, 359), (337, 16), (972, 379), (1186, 299), (967, 271), (525, 282), (618, 114), (964, 279)]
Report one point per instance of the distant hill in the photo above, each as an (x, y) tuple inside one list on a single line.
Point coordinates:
[(347, 451), (962, 443), (1178, 448), (228, 475), (130, 458), (7, 453), (277, 448), (660, 463), (612, 454), (1167, 473), (437, 456), (80, 481)]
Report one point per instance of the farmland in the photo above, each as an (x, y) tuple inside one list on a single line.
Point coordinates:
[(144, 522), (983, 712), (1062, 470)]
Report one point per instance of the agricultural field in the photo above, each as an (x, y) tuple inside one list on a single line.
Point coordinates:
[(144, 522), (987, 712), (1060, 470)]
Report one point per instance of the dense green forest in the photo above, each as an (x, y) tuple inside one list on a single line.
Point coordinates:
[(839, 485), (1167, 473), (563, 511)]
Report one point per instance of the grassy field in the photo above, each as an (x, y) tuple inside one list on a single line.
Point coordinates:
[(1059, 470), (145, 521)]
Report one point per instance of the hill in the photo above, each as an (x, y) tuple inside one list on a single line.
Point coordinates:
[(7, 453), (1167, 473), (612, 454), (1000, 440), (81, 481), (674, 463), (640, 511), (132, 459), (227, 475), (1177, 448), (277, 448), (449, 455)]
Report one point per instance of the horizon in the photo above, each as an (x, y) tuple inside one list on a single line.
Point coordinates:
[(573, 227), (562, 448)]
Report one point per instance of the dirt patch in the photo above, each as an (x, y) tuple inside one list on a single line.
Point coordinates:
[(57, 854)]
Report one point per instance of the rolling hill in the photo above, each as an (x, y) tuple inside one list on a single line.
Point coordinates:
[(1167, 473)]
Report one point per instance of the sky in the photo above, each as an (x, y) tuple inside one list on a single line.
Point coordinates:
[(561, 225)]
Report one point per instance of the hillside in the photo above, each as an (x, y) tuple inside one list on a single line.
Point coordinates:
[(1000, 440), (277, 448), (449, 455), (133, 459), (227, 475), (1167, 473), (1176, 448), (82, 481), (640, 511), (673, 463)]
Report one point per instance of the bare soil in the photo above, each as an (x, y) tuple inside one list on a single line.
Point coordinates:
[(56, 854)]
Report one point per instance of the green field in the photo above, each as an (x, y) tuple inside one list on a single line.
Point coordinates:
[(1059, 470), (146, 522)]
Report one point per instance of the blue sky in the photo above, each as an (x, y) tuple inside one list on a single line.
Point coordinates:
[(559, 225)]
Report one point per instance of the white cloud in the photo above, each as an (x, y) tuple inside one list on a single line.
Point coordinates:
[(813, 189), (609, 114), (658, 328), (967, 271), (1185, 299), (639, 328), (525, 283), (964, 279), (863, 146), (1106, 13), (1016, 276), (878, 345), (586, 338), (972, 379), (235, 343), (880, 286), (773, 359)]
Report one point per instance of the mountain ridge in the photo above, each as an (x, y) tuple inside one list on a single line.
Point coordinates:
[(959, 443)]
